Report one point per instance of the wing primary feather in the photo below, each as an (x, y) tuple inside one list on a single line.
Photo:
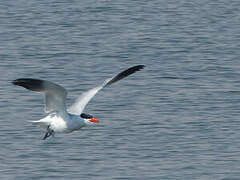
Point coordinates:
[(82, 101), (55, 95), (125, 73), (30, 84)]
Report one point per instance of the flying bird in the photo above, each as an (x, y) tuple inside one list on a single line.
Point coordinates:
[(61, 119)]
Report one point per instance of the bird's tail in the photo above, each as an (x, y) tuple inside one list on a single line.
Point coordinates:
[(40, 123)]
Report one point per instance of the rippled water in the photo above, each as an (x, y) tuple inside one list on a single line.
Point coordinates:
[(176, 119)]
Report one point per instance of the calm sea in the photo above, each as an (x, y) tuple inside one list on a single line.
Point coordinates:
[(176, 119)]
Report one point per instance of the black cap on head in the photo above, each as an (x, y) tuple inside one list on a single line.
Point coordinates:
[(86, 116)]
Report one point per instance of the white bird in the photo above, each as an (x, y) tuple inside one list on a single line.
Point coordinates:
[(59, 118)]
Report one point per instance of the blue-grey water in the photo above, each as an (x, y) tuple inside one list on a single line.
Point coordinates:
[(179, 118)]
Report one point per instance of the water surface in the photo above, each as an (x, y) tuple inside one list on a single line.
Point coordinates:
[(176, 119)]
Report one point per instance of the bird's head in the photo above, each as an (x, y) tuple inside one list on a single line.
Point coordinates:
[(89, 119)]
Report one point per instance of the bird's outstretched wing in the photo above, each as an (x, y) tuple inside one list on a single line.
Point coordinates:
[(55, 95), (85, 97)]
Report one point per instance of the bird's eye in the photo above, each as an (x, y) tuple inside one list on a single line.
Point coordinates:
[(86, 116)]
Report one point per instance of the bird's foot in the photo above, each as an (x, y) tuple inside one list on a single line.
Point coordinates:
[(48, 133)]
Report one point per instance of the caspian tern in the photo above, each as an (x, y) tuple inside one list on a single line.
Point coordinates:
[(59, 118)]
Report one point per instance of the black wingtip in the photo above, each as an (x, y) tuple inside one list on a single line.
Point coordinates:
[(140, 67), (125, 73), (17, 82), (28, 83)]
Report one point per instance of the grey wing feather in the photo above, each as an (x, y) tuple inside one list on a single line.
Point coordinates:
[(55, 95), (82, 101)]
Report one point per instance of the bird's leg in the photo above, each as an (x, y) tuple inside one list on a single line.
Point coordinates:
[(48, 133)]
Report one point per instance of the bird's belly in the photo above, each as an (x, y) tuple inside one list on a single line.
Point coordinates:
[(59, 126), (66, 126)]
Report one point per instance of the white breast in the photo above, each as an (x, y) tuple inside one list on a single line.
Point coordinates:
[(62, 123)]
